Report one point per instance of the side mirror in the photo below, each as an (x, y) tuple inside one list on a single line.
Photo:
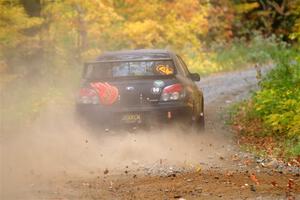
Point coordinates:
[(195, 76)]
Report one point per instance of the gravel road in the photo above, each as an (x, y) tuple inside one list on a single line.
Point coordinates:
[(56, 158)]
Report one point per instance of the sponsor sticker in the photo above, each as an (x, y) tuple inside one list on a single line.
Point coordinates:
[(156, 90), (164, 69), (159, 83), (108, 94)]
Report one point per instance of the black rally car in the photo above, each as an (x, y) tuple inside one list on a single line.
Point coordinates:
[(140, 86)]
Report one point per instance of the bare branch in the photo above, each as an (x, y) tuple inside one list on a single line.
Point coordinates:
[(279, 9)]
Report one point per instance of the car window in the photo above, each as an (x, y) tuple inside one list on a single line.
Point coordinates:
[(130, 69), (184, 67), (179, 67)]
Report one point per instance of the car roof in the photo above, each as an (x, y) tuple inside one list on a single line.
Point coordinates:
[(136, 54)]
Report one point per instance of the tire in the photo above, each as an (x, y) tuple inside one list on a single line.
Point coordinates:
[(198, 125), (202, 123), (202, 117)]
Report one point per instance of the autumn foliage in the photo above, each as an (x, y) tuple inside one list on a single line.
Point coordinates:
[(53, 36)]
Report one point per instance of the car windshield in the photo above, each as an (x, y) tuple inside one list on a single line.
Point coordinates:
[(129, 69)]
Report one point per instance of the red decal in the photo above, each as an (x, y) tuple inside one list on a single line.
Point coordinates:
[(107, 93)]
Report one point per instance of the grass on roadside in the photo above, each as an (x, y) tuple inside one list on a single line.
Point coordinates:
[(239, 54), (254, 134)]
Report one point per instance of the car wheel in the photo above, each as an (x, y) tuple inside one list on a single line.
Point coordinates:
[(198, 123), (201, 123)]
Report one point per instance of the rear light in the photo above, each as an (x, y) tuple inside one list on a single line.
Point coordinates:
[(173, 93), (88, 96)]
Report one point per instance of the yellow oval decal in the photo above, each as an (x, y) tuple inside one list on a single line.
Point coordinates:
[(164, 69)]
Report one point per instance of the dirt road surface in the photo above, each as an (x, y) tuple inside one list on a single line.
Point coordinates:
[(56, 158)]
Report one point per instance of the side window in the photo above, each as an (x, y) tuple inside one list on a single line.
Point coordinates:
[(184, 67), (180, 67)]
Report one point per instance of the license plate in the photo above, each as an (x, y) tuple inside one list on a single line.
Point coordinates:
[(131, 118)]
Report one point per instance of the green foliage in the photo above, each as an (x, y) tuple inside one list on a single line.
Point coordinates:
[(238, 54), (278, 103), (269, 17), (273, 111), (295, 149)]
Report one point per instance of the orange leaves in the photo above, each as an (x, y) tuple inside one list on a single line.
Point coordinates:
[(229, 174), (274, 184), (290, 184), (254, 179), (186, 9), (289, 189)]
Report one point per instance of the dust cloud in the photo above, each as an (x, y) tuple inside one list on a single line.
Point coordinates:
[(58, 144)]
